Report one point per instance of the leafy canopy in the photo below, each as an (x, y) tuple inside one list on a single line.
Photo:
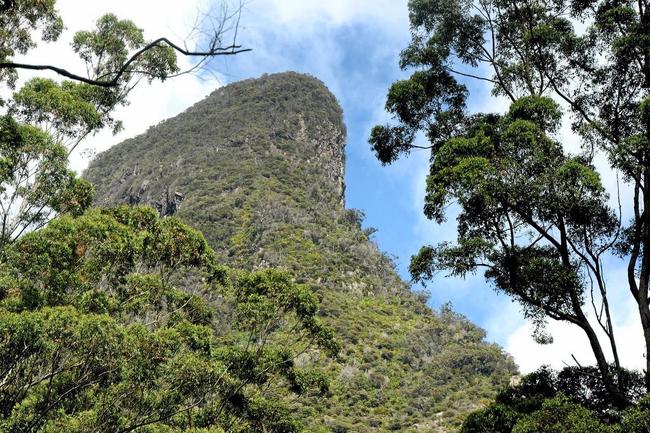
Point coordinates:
[(573, 400), (533, 216), (114, 321)]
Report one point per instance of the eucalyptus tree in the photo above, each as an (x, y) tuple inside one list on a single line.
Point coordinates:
[(535, 217), (120, 321), (45, 120)]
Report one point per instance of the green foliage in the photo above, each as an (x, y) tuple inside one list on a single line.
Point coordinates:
[(541, 111), (404, 366), (66, 107), (560, 415), (637, 419), (258, 164), (507, 172), (73, 109), (495, 418), (19, 20), (572, 400), (108, 48), (35, 181), (96, 334)]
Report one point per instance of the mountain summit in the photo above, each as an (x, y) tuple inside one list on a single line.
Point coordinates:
[(258, 166)]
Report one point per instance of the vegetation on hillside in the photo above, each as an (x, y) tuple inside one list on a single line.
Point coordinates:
[(96, 336), (125, 318), (116, 320), (257, 164)]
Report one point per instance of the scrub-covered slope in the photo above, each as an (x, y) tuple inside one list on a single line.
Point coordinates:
[(258, 166)]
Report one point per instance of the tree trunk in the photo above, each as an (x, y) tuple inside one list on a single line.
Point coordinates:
[(644, 277), (613, 389)]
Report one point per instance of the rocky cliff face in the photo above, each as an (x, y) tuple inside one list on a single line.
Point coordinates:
[(258, 166)]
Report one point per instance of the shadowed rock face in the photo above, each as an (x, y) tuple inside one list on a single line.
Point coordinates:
[(258, 166)]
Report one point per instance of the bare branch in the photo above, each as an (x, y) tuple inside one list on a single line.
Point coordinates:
[(115, 81), (477, 77)]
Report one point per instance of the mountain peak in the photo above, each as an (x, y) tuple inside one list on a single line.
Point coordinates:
[(258, 167), (295, 114), (288, 115)]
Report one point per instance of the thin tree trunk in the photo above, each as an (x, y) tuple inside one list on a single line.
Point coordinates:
[(613, 389), (644, 277), (618, 396)]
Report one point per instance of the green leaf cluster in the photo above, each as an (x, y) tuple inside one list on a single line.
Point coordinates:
[(35, 181), (114, 321), (572, 400), (19, 20)]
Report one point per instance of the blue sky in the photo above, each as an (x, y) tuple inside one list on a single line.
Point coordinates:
[(353, 47)]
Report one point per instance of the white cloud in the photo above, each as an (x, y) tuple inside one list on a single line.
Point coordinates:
[(570, 340), (336, 12), (149, 104)]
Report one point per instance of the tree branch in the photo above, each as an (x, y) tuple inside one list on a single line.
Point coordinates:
[(114, 82)]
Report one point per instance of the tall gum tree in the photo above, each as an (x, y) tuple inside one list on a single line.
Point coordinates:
[(45, 120), (534, 217)]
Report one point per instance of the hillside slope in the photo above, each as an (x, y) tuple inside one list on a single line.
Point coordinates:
[(258, 166)]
